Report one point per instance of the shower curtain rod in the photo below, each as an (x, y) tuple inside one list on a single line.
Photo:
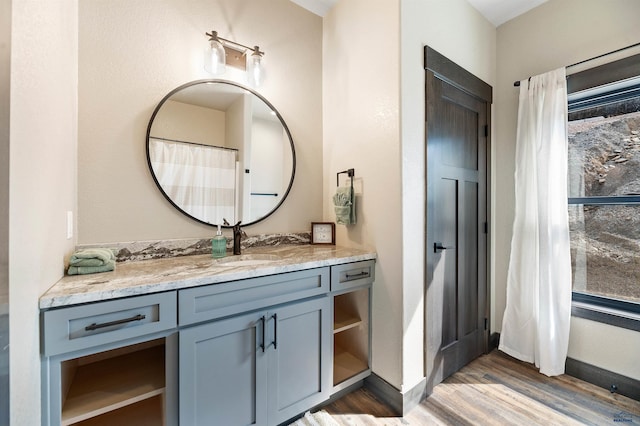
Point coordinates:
[(517, 83), (194, 143)]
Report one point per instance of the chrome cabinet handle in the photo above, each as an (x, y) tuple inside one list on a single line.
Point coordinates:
[(96, 326)]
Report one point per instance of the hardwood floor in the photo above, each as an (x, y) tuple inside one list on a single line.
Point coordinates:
[(496, 389)]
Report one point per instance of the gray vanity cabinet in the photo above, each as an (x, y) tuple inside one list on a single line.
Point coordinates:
[(256, 369), (111, 362), (351, 294), (257, 351), (260, 368)]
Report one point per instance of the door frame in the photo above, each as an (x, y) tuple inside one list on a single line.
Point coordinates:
[(450, 72)]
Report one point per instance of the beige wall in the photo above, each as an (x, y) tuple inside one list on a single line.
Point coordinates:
[(556, 34), (42, 188), (5, 71), (132, 53), (374, 122), (361, 79)]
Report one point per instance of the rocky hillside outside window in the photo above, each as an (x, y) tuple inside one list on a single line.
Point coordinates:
[(604, 200)]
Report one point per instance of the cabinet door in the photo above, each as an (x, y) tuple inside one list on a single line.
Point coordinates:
[(299, 356), (223, 373)]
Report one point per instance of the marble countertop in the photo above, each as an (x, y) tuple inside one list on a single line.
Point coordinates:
[(152, 276)]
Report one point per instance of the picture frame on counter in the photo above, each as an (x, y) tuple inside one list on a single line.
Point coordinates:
[(323, 233)]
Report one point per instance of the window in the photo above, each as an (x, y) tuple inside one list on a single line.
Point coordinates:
[(604, 194)]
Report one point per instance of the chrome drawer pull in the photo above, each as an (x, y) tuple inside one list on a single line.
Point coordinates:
[(96, 326), (361, 274)]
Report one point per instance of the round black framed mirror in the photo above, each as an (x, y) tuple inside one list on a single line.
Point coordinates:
[(220, 152)]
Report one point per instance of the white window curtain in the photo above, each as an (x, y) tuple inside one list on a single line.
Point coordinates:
[(199, 179), (535, 326)]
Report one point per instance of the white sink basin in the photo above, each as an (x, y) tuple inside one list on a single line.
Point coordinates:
[(247, 260)]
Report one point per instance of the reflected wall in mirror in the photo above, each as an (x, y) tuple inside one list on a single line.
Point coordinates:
[(218, 150)]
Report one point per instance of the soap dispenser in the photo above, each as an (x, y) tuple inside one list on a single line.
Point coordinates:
[(219, 245)]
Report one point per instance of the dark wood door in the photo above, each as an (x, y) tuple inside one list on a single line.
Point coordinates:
[(456, 240)]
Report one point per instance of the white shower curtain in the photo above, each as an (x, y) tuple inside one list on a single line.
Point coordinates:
[(535, 326), (199, 179)]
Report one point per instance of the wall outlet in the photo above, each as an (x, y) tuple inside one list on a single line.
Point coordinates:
[(69, 224)]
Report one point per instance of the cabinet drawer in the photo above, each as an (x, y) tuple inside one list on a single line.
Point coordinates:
[(220, 300), (352, 275), (80, 327)]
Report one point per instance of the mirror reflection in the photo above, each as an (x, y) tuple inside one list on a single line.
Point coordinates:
[(218, 150)]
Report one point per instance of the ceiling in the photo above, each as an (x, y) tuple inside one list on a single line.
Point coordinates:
[(500, 11), (495, 11), (319, 7)]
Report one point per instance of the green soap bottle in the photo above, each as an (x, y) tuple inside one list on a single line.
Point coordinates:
[(219, 245)]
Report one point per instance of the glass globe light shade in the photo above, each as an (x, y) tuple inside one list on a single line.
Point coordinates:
[(215, 61), (255, 69)]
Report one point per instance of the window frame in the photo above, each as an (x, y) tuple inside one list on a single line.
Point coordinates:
[(607, 310)]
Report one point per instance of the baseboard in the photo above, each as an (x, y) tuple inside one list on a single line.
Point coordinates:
[(339, 394), (400, 403), (414, 396), (494, 341), (603, 378), (385, 392)]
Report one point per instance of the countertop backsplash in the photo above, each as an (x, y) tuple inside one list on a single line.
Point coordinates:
[(160, 249)]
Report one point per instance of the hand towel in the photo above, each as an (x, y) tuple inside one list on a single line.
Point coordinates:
[(92, 260), (102, 255), (81, 270), (345, 205)]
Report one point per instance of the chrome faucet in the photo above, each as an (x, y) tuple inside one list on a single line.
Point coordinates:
[(237, 237)]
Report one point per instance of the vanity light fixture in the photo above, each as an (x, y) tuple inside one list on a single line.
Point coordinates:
[(222, 52)]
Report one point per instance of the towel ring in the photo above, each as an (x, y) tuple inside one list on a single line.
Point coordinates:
[(350, 172)]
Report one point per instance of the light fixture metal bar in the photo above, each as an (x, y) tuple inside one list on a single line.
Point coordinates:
[(213, 35)]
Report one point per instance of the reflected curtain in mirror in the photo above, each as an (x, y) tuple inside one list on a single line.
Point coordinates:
[(199, 178)]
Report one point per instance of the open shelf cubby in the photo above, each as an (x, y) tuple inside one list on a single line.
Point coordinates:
[(346, 364), (147, 412), (344, 320), (114, 385), (350, 334)]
